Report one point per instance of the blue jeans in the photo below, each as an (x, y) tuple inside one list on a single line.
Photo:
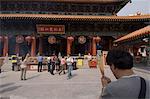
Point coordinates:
[(69, 71)]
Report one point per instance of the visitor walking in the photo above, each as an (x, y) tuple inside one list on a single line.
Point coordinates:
[(57, 64), (40, 62), (69, 62), (1, 63), (23, 67), (62, 65), (49, 62), (52, 66)]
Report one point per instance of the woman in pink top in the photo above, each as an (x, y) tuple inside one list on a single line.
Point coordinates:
[(62, 65)]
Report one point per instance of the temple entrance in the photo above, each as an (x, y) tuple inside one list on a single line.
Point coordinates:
[(24, 48), (1, 48), (18, 48), (81, 45), (54, 47)]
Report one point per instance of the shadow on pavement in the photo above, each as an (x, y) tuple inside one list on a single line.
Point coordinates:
[(3, 77), (9, 89), (33, 77), (5, 85), (73, 75)]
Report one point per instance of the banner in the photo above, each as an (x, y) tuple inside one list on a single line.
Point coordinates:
[(50, 29)]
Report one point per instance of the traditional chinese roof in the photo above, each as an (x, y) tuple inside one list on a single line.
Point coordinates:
[(74, 17), (107, 6), (135, 34), (76, 1)]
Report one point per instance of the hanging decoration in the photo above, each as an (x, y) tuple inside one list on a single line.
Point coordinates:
[(52, 39), (98, 39), (1, 38), (70, 38), (19, 39), (28, 39), (81, 39), (5, 37)]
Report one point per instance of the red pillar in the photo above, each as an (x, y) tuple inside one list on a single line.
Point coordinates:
[(69, 44), (94, 46), (94, 42), (5, 49), (1, 38), (33, 46), (110, 44)]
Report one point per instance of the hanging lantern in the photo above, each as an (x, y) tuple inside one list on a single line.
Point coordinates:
[(70, 38), (19, 39), (6, 38), (97, 39), (81, 39), (28, 39), (1, 38), (52, 39), (33, 37)]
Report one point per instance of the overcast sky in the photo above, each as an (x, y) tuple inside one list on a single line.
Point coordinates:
[(137, 5)]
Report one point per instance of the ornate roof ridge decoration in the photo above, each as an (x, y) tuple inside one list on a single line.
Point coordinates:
[(137, 33), (75, 1), (75, 17)]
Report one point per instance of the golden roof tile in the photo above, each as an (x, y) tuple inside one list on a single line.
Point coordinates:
[(137, 33), (75, 17), (78, 1)]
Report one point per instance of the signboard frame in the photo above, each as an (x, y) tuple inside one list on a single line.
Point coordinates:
[(50, 29)]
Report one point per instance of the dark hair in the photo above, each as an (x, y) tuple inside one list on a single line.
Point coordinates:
[(120, 59), (23, 57)]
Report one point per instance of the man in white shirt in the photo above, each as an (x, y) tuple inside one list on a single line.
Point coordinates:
[(69, 62)]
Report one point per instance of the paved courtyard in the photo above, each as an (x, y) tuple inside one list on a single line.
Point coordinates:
[(85, 84)]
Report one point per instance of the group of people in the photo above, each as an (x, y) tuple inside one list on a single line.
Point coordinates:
[(20, 65), (60, 64), (57, 63), (127, 86), (17, 64)]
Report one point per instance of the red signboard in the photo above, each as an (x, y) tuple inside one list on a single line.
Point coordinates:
[(51, 29)]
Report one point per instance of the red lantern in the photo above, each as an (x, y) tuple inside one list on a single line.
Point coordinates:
[(98, 39), (5, 37), (33, 38), (1, 38), (70, 38), (28, 39), (19, 39)]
